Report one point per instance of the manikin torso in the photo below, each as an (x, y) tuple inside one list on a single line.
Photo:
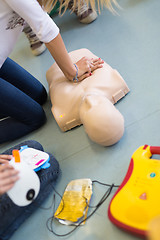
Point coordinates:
[(67, 97)]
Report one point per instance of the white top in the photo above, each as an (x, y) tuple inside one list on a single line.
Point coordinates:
[(13, 14)]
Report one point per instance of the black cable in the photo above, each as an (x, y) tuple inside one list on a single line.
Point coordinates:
[(47, 208), (105, 184), (60, 198), (53, 200), (56, 234), (102, 200)]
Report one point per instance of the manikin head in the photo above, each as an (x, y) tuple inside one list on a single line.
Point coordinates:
[(103, 123)]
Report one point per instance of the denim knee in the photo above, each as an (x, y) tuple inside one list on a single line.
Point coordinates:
[(42, 98), (39, 119)]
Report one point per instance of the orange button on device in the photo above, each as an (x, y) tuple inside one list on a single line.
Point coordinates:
[(16, 155)]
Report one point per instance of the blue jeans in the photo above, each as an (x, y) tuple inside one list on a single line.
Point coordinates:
[(21, 97), (11, 215)]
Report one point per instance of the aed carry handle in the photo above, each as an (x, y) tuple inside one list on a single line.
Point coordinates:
[(155, 149)]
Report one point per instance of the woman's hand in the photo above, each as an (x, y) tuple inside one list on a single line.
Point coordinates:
[(5, 158), (8, 175), (87, 65)]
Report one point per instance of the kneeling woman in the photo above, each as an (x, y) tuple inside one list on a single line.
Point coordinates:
[(21, 95)]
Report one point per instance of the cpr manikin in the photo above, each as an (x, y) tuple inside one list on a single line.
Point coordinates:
[(89, 102)]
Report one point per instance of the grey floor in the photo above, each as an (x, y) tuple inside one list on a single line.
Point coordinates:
[(129, 42)]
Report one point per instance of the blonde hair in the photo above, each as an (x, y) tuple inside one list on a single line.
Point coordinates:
[(48, 5)]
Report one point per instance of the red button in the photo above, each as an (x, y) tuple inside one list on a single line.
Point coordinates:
[(143, 196)]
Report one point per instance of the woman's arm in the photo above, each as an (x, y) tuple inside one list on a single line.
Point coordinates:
[(48, 32), (60, 54)]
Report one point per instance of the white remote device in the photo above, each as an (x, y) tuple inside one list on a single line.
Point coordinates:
[(26, 189)]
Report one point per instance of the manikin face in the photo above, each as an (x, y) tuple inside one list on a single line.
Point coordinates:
[(103, 123)]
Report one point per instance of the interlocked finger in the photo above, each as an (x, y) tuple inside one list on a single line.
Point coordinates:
[(96, 63)]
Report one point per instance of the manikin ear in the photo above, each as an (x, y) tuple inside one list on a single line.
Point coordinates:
[(103, 123)]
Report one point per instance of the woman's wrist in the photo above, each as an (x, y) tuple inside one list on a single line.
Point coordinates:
[(74, 75), (75, 79)]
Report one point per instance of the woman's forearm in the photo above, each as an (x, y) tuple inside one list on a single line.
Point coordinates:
[(60, 55)]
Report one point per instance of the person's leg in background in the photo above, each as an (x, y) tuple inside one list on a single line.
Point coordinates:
[(20, 103), (37, 47), (85, 14), (13, 216)]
